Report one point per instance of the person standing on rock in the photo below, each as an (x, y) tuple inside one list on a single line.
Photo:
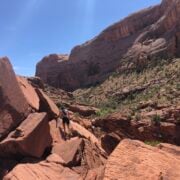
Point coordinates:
[(65, 119)]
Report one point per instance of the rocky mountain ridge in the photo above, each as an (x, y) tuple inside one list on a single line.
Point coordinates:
[(134, 43)]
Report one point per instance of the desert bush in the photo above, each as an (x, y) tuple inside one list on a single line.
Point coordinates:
[(138, 117), (152, 143), (104, 112), (129, 117), (156, 119)]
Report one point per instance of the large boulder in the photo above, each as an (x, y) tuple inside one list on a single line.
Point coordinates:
[(131, 44), (29, 92), (70, 151), (14, 107), (133, 160), (82, 156), (82, 109), (80, 131), (31, 138), (56, 132), (43, 170), (47, 105)]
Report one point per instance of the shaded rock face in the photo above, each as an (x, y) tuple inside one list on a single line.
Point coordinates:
[(131, 44), (14, 107), (134, 160), (36, 82)]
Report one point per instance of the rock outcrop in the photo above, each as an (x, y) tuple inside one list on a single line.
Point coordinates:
[(158, 125), (27, 139), (47, 105), (14, 107), (79, 152), (33, 144), (133, 160), (43, 170), (29, 92), (134, 43), (82, 109)]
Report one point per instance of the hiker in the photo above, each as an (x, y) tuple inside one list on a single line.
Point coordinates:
[(65, 119)]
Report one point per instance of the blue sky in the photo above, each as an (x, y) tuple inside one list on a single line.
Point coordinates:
[(31, 29)]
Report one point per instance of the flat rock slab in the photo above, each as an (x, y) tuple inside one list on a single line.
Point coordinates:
[(56, 132), (29, 92), (41, 171), (31, 138), (82, 109), (14, 107), (134, 160), (70, 151), (84, 133), (81, 153)]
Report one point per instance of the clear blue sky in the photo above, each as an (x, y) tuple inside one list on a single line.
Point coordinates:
[(31, 29)]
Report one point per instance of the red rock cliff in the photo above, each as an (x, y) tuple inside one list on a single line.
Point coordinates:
[(132, 43)]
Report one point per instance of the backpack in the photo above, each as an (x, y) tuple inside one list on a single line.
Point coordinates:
[(64, 113)]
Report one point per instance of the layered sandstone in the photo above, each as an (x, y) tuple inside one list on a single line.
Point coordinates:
[(131, 44), (14, 107), (133, 160), (27, 139), (43, 170), (33, 144)]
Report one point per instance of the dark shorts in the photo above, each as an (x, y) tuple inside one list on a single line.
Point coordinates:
[(66, 120)]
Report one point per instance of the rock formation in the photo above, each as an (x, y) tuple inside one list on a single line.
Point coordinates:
[(33, 144), (43, 170), (14, 106), (27, 139), (134, 43), (29, 92), (117, 126), (133, 160)]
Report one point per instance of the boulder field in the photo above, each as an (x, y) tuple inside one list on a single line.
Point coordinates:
[(134, 43), (32, 144), (35, 147)]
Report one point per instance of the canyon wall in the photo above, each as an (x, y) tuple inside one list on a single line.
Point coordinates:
[(133, 43)]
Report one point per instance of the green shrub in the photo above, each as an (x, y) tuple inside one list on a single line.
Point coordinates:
[(152, 143), (178, 86), (59, 105), (156, 118), (104, 112), (138, 117), (129, 117)]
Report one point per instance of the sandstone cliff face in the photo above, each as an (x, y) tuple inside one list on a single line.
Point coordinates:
[(132, 43)]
